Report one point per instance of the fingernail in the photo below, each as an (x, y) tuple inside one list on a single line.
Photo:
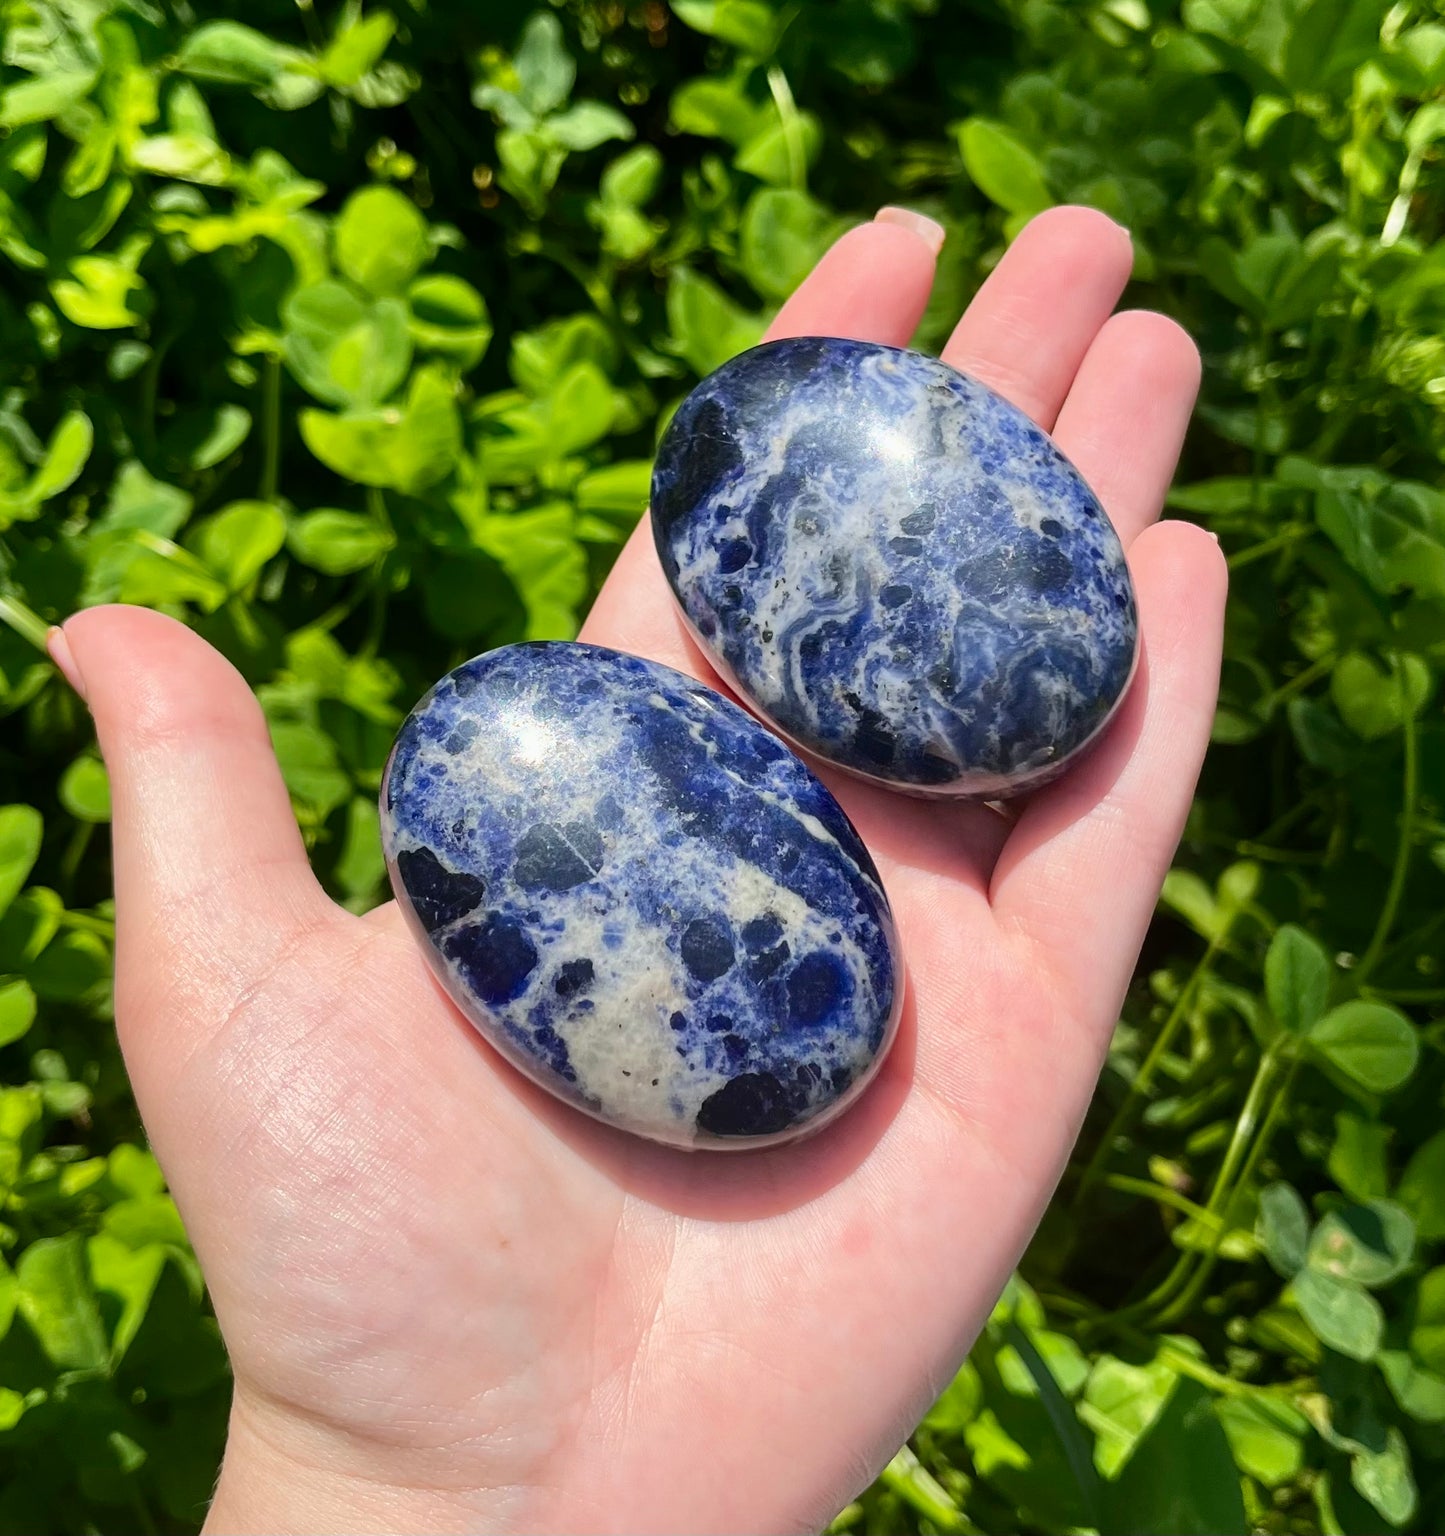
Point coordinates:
[(61, 655), (929, 230)]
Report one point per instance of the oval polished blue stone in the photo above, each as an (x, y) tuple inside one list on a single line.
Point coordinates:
[(640, 897), (895, 566)]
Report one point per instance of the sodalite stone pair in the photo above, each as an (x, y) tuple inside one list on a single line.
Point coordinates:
[(640, 896)]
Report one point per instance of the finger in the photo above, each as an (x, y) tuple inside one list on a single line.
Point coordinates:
[(1124, 421), (872, 285), (211, 876), (1080, 874), (1033, 320)]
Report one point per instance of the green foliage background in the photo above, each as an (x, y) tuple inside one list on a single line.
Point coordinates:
[(345, 335)]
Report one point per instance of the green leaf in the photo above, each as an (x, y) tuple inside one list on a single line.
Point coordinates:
[(449, 316), (361, 867), (96, 294), (1373, 700), (717, 109), (1323, 741), (774, 151), (203, 438), (20, 833), (1384, 1478), (407, 450), (1283, 1228), (65, 458), (545, 70), (72, 967), (1221, 497), (707, 326), (357, 49), (1427, 1328), (382, 240), (1371, 1044), (783, 234), (183, 157), (309, 765), (1340, 1313), (538, 550), (1329, 38), (238, 540), (1392, 532), (579, 410), (540, 357), (1181, 1477), (44, 97), (123, 1274), (1275, 278), (617, 490), (750, 26), (587, 125), (1266, 1436), (17, 1009), (1185, 893), (632, 178), (1003, 168), (1419, 1392), (57, 1300), (1119, 1404), (1371, 1244), (85, 790), (137, 500), (1296, 978), (1357, 1158), (959, 1404), (1422, 1188), (338, 543), (233, 54), (343, 349)]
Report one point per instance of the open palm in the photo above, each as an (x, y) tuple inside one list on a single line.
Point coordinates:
[(452, 1303)]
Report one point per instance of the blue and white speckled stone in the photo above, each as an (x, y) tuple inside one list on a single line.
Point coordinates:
[(895, 566), (640, 897)]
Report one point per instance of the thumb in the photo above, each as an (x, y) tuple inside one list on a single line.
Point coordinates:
[(212, 882)]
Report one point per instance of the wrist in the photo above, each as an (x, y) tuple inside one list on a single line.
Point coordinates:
[(283, 1473)]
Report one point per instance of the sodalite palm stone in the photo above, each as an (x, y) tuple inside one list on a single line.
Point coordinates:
[(895, 566), (639, 896)]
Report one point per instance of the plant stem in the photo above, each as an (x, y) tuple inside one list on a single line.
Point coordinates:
[(1177, 1292), (1261, 421), (24, 621), (376, 505), (1297, 684), (792, 127), (1291, 534), (906, 1476), (1404, 845), (1145, 1075), (1186, 1299), (314, 33), (1161, 1298), (271, 430), (1148, 1190)]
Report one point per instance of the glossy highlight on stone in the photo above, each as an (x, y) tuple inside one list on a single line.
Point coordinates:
[(895, 566), (640, 897)]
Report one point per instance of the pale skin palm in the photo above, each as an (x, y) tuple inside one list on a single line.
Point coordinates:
[(452, 1304)]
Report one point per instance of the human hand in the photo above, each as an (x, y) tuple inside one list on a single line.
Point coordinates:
[(452, 1304)]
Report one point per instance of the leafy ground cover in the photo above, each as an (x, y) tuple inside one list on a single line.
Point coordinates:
[(345, 333)]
